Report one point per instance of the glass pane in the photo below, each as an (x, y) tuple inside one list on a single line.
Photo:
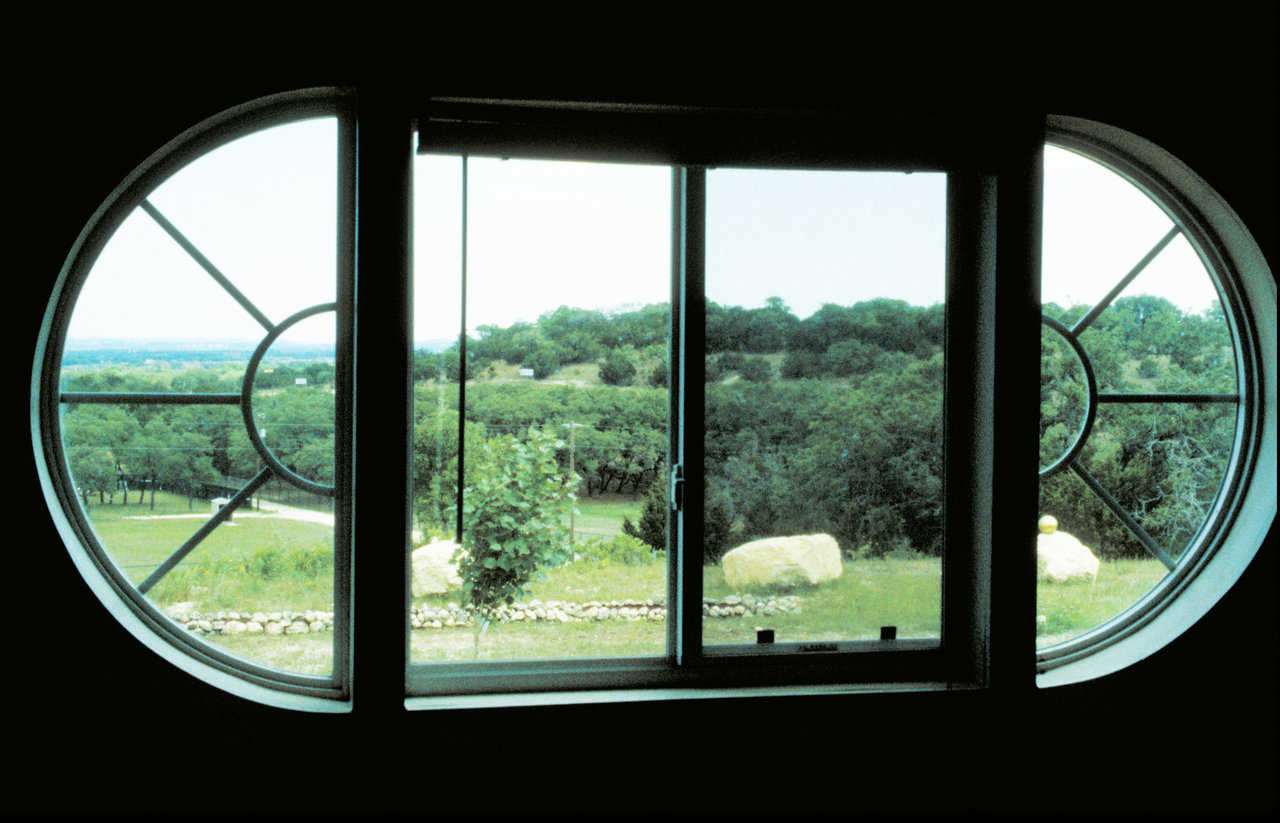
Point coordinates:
[(151, 318), (824, 405), (564, 420), (1160, 463)]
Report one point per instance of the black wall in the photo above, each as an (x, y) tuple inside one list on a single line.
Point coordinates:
[(97, 722)]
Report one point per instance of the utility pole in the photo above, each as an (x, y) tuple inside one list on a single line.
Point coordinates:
[(572, 448)]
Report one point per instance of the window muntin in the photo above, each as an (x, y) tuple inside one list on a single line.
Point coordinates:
[(823, 411), (1194, 301)]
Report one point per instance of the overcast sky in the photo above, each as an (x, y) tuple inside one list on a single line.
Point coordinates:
[(542, 234)]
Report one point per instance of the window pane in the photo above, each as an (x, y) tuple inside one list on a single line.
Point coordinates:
[(221, 253), (564, 422), (1139, 485), (823, 405)]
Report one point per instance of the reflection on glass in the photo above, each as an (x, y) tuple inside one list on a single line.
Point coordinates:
[(1147, 478), (823, 405), (177, 302), (562, 382)]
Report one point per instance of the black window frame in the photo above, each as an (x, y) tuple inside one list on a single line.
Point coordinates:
[(986, 175)]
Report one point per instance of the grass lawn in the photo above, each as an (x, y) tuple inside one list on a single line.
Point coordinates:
[(601, 516), (230, 570), (1071, 608)]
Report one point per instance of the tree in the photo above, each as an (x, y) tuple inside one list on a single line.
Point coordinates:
[(756, 369), (617, 369), (513, 517), (426, 365), (543, 360), (658, 377), (652, 525)]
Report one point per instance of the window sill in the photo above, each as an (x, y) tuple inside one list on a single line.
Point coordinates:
[(601, 696)]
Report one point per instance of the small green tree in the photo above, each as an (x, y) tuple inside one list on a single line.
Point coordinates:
[(617, 369), (543, 360), (652, 526), (513, 521)]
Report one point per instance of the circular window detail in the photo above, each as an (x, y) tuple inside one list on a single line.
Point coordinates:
[(1157, 393), (188, 398)]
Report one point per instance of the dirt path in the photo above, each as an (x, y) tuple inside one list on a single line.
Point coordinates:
[(266, 508)]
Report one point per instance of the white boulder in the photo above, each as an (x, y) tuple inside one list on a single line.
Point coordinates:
[(434, 571), (783, 561), (1061, 557)]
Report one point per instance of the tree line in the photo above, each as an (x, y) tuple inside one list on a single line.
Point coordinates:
[(838, 429)]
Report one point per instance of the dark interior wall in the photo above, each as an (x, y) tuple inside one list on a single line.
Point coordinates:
[(99, 722)]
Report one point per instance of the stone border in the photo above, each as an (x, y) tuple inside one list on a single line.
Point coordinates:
[(456, 615)]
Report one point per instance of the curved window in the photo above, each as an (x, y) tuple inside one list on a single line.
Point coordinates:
[(195, 396), (1157, 400), (190, 398)]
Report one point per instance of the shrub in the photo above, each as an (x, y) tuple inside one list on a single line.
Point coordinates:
[(801, 364), (617, 369), (756, 369), (658, 377), (652, 526), (513, 519), (544, 361), (619, 550), (714, 369)]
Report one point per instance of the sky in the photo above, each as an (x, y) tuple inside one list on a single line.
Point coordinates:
[(541, 234)]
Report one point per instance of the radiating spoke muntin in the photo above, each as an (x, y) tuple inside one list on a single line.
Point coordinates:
[(222, 515), (1084, 322), (1071, 458), (242, 399), (204, 263)]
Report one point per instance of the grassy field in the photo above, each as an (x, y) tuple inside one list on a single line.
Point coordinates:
[(601, 516), (265, 563)]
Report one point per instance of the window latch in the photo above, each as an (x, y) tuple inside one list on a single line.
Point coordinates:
[(676, 487)]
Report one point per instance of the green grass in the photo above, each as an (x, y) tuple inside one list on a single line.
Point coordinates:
[(1071, 608), (601, 516), (220, 574), (252, 561)]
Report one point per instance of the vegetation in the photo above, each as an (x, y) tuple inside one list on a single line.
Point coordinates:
[(828, 423), (513, 518), (831, 423)]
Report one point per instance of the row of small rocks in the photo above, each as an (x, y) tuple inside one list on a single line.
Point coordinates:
[(286, 622), (453, 614), (556, 611)]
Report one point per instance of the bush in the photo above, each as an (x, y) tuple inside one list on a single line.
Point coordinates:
[(617, 369), (801, 364), (619, 550), (756, 369), (513, 517), (652, 527), (544, 361), (658, 377)]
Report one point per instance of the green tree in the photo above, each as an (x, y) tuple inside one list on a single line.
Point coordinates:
[(543, 360), (756, 369), (513, 515), (617, 369)]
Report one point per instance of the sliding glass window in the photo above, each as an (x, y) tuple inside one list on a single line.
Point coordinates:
[(541, 328), (823, 408)]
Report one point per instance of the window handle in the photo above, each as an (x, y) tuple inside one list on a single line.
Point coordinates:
[(676, 487)]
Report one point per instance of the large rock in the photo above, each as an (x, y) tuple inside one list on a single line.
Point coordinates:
[(1061, 557), (783, 561), (434, 571)]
